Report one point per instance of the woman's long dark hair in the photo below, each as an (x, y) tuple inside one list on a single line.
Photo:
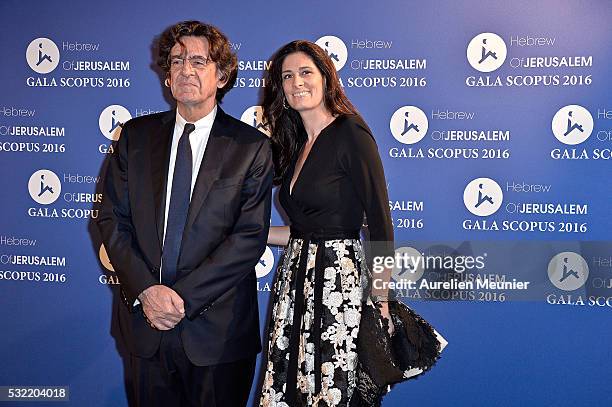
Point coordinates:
[(286, 127)]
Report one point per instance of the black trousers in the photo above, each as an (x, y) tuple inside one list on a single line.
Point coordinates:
[(169, 379)]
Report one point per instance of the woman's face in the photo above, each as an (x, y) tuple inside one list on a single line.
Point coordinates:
[(302, 82)]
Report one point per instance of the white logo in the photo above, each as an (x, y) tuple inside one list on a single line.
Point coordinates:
[(335, 48), (42, 55), (44, 187), (104, 258), (410, 266), (112, 120), (568, 271), (265, 263), (483, 196), (253, 116), (409, 124), (572, 124), (486, 52)]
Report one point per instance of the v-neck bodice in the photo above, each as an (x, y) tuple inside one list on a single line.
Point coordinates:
[(341, 179), (323, 131)]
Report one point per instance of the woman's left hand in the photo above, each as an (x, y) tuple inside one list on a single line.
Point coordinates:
[(384, 310)]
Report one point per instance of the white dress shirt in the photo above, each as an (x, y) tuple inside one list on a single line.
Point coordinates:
[(198, 140)]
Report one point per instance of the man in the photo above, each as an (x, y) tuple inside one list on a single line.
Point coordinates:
[(184, 220)]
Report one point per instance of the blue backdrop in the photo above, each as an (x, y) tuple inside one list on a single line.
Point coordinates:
[(494, 123)]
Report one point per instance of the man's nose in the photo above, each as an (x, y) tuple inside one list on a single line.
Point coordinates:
[(187, 69)]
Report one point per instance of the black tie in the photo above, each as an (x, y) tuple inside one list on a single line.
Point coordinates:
[(179, 207)]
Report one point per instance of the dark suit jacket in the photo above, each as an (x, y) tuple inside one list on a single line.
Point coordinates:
[(224, 237)]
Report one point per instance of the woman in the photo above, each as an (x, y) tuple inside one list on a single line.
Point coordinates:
[(330, 174)]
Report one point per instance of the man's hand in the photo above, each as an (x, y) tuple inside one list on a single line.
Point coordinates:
[(162, 306)]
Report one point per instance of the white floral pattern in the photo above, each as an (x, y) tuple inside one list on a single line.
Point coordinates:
[(342, 298)]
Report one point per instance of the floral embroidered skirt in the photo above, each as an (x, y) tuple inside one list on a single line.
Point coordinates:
[(312, 336)]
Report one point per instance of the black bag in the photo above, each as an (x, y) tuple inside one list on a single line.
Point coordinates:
[(385, 360)]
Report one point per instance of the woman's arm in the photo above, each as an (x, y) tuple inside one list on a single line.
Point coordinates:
[(362, 162), (278, 235)]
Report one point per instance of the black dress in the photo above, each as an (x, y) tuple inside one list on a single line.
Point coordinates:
[(320, 283)]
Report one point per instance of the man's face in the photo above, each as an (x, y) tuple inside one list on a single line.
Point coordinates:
[(194, 79)]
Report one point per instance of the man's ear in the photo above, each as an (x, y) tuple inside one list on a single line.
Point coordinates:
[(222, 79)]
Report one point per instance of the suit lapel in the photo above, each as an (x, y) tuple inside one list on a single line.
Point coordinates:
[(160, 158), (212, 163)]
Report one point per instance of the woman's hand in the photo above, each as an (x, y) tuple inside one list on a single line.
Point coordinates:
[(278, 235), (384, 310)]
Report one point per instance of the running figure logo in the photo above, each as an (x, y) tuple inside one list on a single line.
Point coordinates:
[(254, 116), (408, 124), (409, 265), (259, 124), (483, 196), (111, 121), (44, 187), (42, 55), (335, 48), (334, 57), (568, 271), (486, 52), (572, 124), (114, 122), (406, 268), (265, 263)]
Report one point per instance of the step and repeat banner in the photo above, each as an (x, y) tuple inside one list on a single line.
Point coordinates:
[(494, 123)]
